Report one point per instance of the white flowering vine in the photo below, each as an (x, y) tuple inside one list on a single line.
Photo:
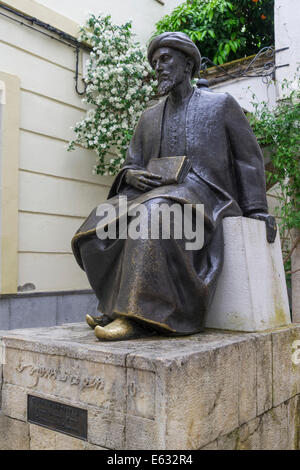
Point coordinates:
[(120, 83)]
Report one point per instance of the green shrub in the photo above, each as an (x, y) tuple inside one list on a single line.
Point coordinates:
[(279, 130), (223, 30)]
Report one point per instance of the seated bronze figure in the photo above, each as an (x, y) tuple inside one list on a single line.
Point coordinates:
[(156, 285)]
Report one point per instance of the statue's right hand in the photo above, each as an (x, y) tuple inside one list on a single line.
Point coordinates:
[(143, 180)]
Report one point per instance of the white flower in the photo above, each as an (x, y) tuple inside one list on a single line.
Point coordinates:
[(113, 85)]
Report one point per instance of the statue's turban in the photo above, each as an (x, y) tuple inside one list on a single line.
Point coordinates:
[(179, 41)]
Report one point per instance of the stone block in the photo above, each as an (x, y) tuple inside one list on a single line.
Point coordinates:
[(264, 373), (72, 308), (211, 446), (266, 432), (247, 375), (89, 446), (46, 439), (274, 432), (106, 428), (286, 373), (251, 293), (246, 437), (296, 282), (76, 380), (293, 411), (4, 314), (14, 402), (203, 391), (33, 311), (142, 433), (202, 397), (14, 434)]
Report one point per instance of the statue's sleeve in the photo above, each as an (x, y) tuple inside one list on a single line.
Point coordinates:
[(134, 158), (247, 158)]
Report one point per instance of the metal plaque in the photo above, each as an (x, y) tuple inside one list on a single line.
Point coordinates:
[(57, 416)]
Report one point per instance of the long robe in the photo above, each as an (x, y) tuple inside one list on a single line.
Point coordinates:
[(158, 282)]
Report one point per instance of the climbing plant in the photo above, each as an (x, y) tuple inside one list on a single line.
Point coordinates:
[(279, 130), (120, 83), (223, 30)]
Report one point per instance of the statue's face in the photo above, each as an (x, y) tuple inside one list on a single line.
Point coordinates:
[(170, 66)]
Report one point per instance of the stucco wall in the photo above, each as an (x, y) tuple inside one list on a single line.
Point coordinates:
[(143, 13), (56, 188), (287, 34), (242, 90)]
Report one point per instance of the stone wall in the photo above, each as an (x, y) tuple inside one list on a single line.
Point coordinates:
[(34, 310)]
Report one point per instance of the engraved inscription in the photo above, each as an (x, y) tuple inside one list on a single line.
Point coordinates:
[(57, 416), (60, 375)]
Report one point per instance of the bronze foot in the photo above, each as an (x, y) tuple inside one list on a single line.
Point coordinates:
[(95, 321), (121, 329)]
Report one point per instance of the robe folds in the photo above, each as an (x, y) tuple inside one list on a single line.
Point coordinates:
[(158, 282)]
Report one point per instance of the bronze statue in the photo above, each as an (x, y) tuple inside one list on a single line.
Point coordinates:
[(156, 285)]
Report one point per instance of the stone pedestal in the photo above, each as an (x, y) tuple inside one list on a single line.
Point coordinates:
[(215, 390), (251, 293), (296, 281)]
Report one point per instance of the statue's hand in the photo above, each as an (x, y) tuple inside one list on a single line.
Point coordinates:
[(143, 180), (270, 222)]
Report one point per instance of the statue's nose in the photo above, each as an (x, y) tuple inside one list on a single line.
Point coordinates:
[(158, 66)]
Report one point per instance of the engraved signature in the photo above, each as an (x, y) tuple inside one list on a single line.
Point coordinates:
[(62, 376)]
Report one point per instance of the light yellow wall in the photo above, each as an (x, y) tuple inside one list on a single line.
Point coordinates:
[(47, 15), (49, 191), (143, 13), (10, 118)]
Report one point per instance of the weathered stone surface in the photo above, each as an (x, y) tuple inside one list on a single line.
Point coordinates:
[(267, 432), (203, 397), (67, 378), (198, 392), (106, 428), (286, 374), (32, 311), (2, 361), (296, 281), (142, 433), (251, 294), (89, 446), (264, 373), (46, 439), (14, 434), (211, 446), (274, 430), (247, 378), (4, 314), (293, 410), (14, 402), (141, 392)]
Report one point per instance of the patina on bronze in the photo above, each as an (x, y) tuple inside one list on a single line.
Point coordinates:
[(157, 285), (57, 416)]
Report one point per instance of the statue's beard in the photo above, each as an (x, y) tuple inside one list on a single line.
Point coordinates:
[(165, 85)]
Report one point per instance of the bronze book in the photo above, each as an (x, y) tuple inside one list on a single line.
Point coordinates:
[(172, 169)]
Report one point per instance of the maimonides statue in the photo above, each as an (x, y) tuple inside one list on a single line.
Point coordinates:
[(156, 285)]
